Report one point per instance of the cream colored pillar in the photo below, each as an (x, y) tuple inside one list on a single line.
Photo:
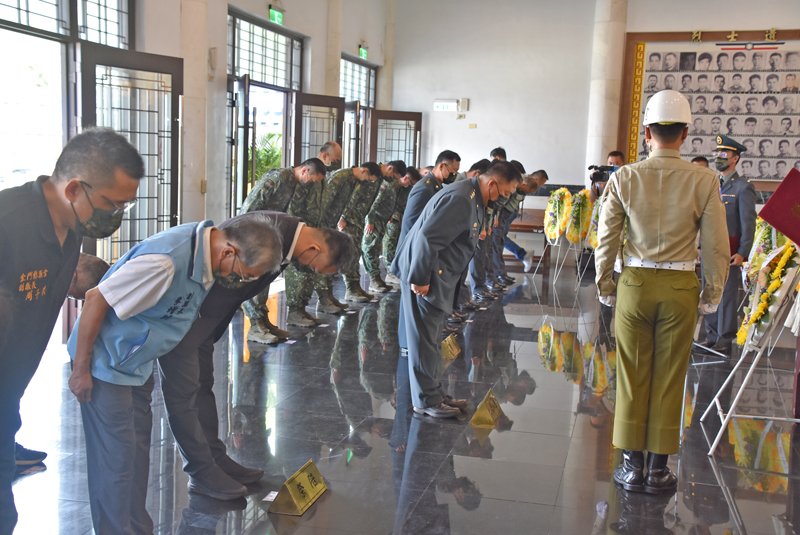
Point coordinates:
[(383, 96), (606, 80), (333, 52), (194, 51)]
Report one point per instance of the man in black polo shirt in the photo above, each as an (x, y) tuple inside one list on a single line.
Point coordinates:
[(187, 371), (94, 182)]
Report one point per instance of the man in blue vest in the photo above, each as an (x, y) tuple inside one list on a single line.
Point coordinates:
[(142, 309)]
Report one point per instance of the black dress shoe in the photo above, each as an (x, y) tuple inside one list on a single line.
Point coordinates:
[(238, 472), (660, 478), (708, 344), (725, 349), (482, 298), (452, 318), (507, 280), (449, 328), (470, 305), (460, 315), (630, 474)]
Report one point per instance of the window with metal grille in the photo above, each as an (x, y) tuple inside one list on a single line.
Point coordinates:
[(268, 56), (48, 15), (357, 82), (104, 22)]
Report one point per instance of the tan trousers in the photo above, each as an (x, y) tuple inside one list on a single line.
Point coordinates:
[(655, 320)]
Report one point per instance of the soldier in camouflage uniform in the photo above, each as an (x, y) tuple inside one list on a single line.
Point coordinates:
[(352, 222), (394, 178), (394, 225), (336, 195), (307, 205), (275, 191)]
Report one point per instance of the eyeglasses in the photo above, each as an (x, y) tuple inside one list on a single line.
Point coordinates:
[(117, 207), (722, 154), (241, 273)]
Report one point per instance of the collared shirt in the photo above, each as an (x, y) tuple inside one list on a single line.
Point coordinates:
[(143, 281), (665, 201), (35, 273), (727, 178), (288, 259)]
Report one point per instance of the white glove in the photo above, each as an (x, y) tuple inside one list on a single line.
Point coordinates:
[(706, 308), (609, 300)]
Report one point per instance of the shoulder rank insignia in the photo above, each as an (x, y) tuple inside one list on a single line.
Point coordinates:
[(472, 195)]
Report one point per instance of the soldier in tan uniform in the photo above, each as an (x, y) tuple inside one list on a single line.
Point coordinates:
[(665, 201)]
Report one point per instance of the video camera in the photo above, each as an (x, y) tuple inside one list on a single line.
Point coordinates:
[(601, 172)]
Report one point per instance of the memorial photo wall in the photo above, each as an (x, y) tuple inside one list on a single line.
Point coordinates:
[(748, 91)]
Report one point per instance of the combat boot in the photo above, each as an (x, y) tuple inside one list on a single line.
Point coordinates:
[(363, 292), (260, 335), (354, 295), (297, 316), (275, 331), (316, 320), (660, 478), (390, 278), (377, 285), (630, 474), (332, 298), (325, 305)]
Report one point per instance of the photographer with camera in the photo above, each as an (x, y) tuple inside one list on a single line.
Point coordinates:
[(600, 174)]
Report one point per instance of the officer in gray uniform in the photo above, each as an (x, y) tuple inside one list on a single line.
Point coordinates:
[(739, 197), (429, 263), (447, 163)]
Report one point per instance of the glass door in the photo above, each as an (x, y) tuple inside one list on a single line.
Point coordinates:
[(257, 143), (318, 119), (138, 95), (394, 135), (353, 135)]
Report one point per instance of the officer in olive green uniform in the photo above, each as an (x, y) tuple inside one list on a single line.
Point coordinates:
[(394, 226), (275, 191), (739, 197), (337, 193), (394, 178), (307, 205), (665, 201), (352, 222)]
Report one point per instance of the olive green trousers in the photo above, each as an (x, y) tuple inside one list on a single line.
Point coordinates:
[(655, 320)]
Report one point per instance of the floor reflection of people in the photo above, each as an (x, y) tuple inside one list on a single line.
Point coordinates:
[(640, 513), (410, 475), (701, 490), (203, 514)]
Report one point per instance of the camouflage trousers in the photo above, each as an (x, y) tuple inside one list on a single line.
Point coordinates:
[(256, 307), (371, 245), (390, 240), (300, 282), (352, 272)]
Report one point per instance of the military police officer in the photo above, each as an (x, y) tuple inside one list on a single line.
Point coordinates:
[(739, 198), (665, 201)]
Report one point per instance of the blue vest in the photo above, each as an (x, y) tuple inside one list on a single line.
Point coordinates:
[(124, 351)]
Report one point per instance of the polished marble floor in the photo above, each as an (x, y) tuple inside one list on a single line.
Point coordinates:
[(335, 396)]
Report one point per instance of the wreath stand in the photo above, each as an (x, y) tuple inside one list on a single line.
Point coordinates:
[(759, 348)]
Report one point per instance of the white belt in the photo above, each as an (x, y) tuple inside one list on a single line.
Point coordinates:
[(632, 261)]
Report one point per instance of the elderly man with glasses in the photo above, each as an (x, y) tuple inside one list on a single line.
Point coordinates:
[(142, 309)]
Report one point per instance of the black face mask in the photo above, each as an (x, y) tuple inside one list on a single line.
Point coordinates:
[(334, 166), (231, 281), (500, 201), (101, 224), (449, 179)]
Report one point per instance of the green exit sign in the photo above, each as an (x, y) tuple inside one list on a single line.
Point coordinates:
[(276, 16), (362, 52)]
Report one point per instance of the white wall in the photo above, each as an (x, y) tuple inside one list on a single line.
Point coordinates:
[(524, 65), (712, 15)]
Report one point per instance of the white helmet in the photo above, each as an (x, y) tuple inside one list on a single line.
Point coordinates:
[(667, 107)]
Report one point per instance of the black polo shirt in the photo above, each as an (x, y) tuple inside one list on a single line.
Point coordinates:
[(35, 272)]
